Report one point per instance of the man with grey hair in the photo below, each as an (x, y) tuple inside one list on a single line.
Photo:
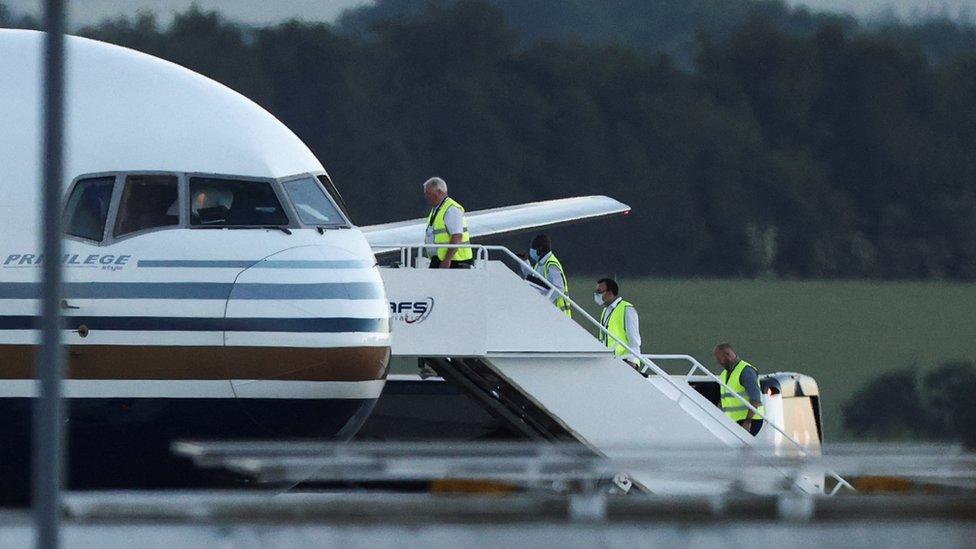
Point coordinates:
[(446, 224)]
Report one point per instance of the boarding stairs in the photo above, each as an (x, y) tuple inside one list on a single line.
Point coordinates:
[(548, 378)]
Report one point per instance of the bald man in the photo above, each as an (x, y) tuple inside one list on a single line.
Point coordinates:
[(742, 379)]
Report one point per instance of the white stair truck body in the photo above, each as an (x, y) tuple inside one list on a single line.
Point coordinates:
[(491, 313)]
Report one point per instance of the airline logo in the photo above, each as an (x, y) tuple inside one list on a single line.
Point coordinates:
[(411, 312), (107, 262)]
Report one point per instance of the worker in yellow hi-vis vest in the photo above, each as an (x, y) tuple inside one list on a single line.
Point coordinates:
[(541, 263), (446, 224), (741, 379), (619, 317)]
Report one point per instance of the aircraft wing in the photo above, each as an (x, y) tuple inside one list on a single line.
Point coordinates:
[(502, 221)]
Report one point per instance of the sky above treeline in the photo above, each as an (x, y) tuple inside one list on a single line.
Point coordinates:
[(262, 12)]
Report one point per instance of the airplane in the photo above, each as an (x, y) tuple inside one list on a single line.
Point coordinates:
[(215, 284)]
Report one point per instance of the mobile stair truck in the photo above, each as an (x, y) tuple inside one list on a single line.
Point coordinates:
[(546, 377)]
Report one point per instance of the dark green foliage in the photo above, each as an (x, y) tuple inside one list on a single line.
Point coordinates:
[(950, 393), (771, 142), (12, 20), (887, 408), (895, 405), (659, 26)]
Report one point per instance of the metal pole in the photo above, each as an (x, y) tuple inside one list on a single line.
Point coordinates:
[(48, 436)]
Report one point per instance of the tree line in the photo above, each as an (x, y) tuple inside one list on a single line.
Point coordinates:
[(780, 144), (904, 405)]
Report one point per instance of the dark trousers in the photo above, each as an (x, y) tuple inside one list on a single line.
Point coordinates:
[(435, 263), (756, 426)]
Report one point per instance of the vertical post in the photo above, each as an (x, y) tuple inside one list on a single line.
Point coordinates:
[(48, 436)]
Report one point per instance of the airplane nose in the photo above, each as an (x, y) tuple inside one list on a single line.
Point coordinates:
[(310, 329)]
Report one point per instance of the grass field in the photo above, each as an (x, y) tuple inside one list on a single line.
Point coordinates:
[(841, 333)]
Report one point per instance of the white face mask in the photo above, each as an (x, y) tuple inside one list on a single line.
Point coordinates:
[(598, 298)]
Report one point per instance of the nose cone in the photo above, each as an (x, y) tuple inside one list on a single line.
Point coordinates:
[(309, 324), (310, 297)]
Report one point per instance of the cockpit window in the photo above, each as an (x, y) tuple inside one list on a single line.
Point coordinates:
[(87, 208), (311, 202), (228, 202), (335, 194), (148, 201)]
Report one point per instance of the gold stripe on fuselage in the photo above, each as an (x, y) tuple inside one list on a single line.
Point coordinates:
[(189, 363)]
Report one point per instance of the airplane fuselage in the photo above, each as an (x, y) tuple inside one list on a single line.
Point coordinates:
[(214, 286), (197, 333)]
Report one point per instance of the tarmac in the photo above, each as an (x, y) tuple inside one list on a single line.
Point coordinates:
[(358, 519)]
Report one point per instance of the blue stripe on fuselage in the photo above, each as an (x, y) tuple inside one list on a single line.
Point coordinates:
[(198, 290), (194, 324)]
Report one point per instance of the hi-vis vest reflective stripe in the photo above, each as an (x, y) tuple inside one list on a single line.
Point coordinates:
[(616, 324), (441, 236), (552, 262), (733, 407)]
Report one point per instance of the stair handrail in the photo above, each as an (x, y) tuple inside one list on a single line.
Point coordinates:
[(482, 255), (699, 367), (406, 251)]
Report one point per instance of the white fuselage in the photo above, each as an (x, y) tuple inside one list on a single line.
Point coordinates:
[(178, 328), (242, 305), (182, 291)]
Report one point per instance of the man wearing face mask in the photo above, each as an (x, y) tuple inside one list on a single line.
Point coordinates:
[(620, 319), (545, 265)]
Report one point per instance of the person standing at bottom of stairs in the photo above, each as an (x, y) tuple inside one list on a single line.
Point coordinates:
[(620, 318), (740, 378)]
